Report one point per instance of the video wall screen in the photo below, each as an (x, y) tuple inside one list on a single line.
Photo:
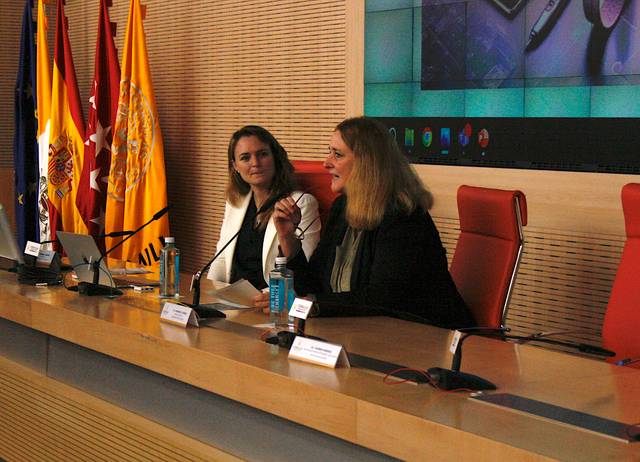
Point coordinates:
[(549, 84)]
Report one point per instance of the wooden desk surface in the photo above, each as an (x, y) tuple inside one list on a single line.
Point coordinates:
[(405, 421)]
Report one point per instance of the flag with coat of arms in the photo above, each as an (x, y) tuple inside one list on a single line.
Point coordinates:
[(137, 181), (66, 138)]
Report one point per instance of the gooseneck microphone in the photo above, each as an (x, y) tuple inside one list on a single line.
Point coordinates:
[(451, 379), (95, 288), (115, 234), (207, 311)]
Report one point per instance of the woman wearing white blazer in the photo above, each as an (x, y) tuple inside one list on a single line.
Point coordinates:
[(259, 174)]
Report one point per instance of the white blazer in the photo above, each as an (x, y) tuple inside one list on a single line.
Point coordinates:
[(220, 270)]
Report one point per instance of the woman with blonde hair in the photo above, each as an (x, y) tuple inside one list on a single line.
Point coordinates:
[(380, 252), (259, 174)]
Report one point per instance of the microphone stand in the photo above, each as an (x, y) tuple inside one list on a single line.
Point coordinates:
[(451, 379), (95, 288), (208, 311)]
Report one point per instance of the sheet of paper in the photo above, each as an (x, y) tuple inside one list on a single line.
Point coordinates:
[(240, 294)]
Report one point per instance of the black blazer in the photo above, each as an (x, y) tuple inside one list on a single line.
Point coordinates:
[(400, 269)]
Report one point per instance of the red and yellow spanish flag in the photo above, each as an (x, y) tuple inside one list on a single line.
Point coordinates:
[(137, 183), (43, 84), (66, 140)]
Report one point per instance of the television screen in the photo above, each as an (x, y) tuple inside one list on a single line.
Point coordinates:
[(549, 84)]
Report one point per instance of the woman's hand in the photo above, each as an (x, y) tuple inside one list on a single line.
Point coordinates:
[(261, 302), (286, 218)]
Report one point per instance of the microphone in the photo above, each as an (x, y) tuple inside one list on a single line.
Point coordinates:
[(95, 288), (207, 311), (115, 234), (450, 379), (159, 214)]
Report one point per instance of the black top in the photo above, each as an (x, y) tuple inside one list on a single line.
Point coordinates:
[(247, 259), (400, 269)]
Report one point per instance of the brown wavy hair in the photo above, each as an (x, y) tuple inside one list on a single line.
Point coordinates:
[(382, 180), (283, 181)]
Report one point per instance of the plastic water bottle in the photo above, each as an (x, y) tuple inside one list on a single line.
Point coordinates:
[(169, 269), (281, 293)]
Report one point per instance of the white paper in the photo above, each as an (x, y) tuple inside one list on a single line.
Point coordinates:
[(139, 270), (240, 294)]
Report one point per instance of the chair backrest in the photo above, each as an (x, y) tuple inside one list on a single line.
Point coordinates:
[(313, 178), (488, 251), (621, 329)]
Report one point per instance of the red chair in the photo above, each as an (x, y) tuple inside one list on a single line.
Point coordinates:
[(313, 178), (489, 248), (621, 330)]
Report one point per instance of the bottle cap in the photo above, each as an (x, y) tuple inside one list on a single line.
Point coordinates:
[(281, 260), (169, 240)]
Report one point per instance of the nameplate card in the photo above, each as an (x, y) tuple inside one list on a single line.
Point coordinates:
[(32, 248), (454, 341), (300, 308), (179, 315), (45, 257), (317, 352)]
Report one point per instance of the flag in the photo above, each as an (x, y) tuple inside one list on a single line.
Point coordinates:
[(66, 140), (43, 82), (24, 140), (137, 182), (103, 104)]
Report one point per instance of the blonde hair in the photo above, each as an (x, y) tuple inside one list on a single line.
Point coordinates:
[(382, 180)]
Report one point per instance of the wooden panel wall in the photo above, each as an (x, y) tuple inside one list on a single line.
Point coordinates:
[(44, 420), (10, 24)]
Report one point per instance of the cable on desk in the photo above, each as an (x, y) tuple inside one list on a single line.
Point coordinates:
[(420, 373)]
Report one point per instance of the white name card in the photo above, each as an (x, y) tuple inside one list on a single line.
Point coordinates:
[(178, 314), (45, 257), (317, 352), (300, 308), (32, 248), (454, 341)]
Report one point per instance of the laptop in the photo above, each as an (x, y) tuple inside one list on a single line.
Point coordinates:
[(82, 251), (8, 244)]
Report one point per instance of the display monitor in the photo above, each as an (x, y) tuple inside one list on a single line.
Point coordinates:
[(549, 84)]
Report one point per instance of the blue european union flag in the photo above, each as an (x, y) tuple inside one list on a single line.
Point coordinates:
[(25, 148)]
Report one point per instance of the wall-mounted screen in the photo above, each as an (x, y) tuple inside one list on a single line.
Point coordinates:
[(552, 84)]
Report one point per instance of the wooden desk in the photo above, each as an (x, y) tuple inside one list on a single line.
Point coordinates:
[(405, 421)]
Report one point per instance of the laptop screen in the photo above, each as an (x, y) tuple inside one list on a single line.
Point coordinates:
[(82, 250), (8, 245)]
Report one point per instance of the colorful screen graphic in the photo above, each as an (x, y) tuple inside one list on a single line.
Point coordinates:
[(516, 83)]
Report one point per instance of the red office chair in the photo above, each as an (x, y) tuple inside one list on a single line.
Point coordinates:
[(313, 178), (621, 330), (489, 248)]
